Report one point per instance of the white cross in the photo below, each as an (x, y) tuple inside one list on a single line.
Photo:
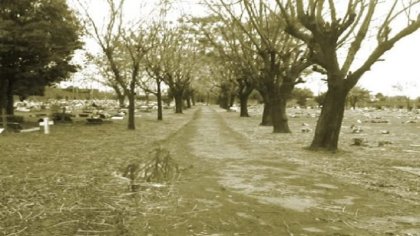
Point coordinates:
[(46, 125)]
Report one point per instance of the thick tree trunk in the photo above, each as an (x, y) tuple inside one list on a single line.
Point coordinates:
[(224, 101), (121, 100), (179, 102), (266, 119), (188, 102), (159, 101), (243, 94), (279, 116), (131, 111), (329, 123), (231, 100), (266, 116), (243, 99), (277, 98)]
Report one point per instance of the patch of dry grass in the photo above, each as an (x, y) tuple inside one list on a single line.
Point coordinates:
[(62, 183)]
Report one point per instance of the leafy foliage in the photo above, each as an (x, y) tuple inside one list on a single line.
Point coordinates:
[(37, 41)]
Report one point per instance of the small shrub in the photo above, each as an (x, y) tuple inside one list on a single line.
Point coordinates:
[(17, 119)]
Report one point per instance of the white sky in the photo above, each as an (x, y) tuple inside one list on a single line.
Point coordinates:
[(401, 65)]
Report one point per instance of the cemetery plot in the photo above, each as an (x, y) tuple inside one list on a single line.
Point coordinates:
[(62, 184), (217, 168)]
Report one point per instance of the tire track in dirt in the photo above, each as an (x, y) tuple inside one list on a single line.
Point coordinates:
[(240, 189)]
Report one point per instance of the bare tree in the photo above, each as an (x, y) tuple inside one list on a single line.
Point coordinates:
[(280, 57), (233, 54), (178, 57), (330, 31), (123, 48), (102, 65)]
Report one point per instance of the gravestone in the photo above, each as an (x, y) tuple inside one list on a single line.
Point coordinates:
[(46, 124)]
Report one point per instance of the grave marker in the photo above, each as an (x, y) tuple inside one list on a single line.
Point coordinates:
[(46, 124), (30, 130)]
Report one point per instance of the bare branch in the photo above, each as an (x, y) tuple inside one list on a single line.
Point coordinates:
[(332, 10), (355, 46), (381, 49)]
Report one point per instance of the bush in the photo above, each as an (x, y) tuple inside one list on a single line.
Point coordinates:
[(17, 119), (61, 117)]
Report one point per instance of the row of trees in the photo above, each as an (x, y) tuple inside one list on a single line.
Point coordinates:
[(270, 45), (262, 45), (138, 53)]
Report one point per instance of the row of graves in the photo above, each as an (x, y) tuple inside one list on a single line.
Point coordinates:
[(33, 116), (366, 127), (31, 119)]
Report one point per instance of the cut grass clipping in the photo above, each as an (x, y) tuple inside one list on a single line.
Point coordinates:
[(157, 169)]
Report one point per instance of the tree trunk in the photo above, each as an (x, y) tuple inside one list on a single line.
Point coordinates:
[(131, 110), (9, 99), (179, 102), (329, 123), (193, 99), (243, 99), (279, 116), (277, 99), (120, 96), (3, 118), (3, 102), (121, 100), (231, 100), (266, 117), (188, 102), (159, 101), (243, 94), (224, 101)]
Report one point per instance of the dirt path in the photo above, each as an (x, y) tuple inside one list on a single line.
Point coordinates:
[(231, 187)]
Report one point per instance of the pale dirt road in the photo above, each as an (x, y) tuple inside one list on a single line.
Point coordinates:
[(234, 187)]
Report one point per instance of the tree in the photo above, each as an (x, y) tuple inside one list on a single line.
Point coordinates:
[(357, 95), (178, 64), (101, 63), (37, 42), (124, 48), (281, 59), (320, 98), (301, 95), (234, 55), (331, 30), (137, 42), (401, 88)]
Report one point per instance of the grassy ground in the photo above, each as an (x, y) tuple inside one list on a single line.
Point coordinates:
[(62, 183), (372, 165), (237, 178)]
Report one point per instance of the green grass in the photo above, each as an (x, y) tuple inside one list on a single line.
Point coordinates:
[(62, 183)]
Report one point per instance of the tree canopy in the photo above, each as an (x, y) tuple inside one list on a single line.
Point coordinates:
[(37, 42)]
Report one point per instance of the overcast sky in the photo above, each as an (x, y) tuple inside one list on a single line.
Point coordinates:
[(401, 64)]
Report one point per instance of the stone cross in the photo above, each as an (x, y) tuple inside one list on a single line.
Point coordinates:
[(46, 125)]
